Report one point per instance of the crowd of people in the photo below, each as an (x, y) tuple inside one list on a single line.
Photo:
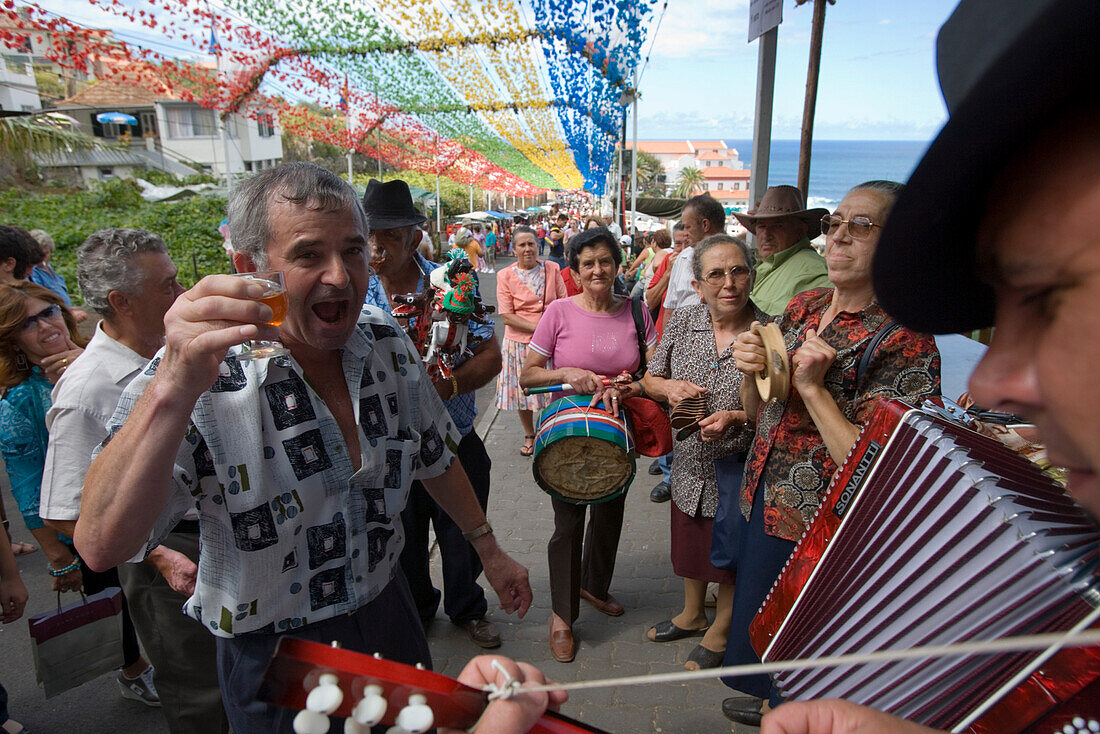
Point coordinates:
[(311, 481)]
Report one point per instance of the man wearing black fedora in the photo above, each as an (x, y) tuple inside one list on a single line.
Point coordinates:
[(394, 237), (789, 265), (961, 251)]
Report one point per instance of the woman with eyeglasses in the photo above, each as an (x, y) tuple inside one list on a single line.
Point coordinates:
[(38, 340), (695, 358), (801, 441)]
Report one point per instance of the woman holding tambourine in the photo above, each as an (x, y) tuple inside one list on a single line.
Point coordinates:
[(802, 437)]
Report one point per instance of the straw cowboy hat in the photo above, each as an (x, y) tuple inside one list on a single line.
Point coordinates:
[(783, 201)]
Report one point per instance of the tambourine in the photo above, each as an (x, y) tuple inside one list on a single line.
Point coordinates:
[(774, 381)]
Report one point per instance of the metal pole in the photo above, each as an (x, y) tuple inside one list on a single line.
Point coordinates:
[(347, 117), (471, 197), (619, 180), (762, 127), (225, 149), (634, 161), (438, 212), (812, 71)]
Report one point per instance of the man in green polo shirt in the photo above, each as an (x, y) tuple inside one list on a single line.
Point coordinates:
[(788, 263)]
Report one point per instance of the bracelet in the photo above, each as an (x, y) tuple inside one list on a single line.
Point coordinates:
[(484, 529), (58, 572), (641, 389), (454, 386)]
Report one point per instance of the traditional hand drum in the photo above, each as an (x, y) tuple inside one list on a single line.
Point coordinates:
[(774, 381), (583, 455)]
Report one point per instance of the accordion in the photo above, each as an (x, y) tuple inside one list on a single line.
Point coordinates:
[(932, 534)]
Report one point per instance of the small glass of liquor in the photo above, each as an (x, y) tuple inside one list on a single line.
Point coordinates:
[(275, 297)]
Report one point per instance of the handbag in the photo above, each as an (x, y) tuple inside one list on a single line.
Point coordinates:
[(79, 642)]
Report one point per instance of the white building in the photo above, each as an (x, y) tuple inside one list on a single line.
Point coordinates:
[(173, 134), (676, 155), (18, 90)]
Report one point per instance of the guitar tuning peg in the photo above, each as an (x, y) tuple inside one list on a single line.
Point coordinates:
[(417, 717), (370, 710), (310, 722), (326, 697)]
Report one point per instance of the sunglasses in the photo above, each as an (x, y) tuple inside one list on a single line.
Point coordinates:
[(718, 276), (858, 227), (49, 313)]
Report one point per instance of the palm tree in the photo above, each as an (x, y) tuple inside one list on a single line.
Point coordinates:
[(24, 136), (690, 181)]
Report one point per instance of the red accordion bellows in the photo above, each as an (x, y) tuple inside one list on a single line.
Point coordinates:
[(933, 534)]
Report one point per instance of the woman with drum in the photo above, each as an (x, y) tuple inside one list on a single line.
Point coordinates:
[(694, 361), (587, 337), (523, 292), (800, 441)]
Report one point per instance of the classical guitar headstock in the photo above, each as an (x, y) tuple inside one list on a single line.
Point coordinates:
[(322, 681)]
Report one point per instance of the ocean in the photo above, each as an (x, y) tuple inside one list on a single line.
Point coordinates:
[(838, 165)]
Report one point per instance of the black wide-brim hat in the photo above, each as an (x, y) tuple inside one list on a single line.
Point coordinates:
[(389, 205), (1007, 68)]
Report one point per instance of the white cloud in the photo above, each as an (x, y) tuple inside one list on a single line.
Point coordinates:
[(696, 28)]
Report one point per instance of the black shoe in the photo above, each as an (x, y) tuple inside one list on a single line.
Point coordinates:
[(655, 467), (743, 710), (661, 493), (482, 632)]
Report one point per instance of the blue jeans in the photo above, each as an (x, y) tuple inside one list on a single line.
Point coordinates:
[(665, 462)]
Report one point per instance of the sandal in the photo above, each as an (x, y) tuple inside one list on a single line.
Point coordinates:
[(22, 549), (701, 658), (667, 631), (528, 446)]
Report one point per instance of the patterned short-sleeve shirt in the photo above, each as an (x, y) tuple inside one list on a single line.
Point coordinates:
[(789, 451), (291, 534), (687, 352)]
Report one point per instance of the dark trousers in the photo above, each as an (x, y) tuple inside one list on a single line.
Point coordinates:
[(590, 567), (385, 625), (759, 561), (463, 597), (95, 582), (181, 649)]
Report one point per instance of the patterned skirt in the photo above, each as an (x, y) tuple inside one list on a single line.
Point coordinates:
[(509, 394)]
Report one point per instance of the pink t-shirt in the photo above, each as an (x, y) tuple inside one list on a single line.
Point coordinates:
[(604, 343)]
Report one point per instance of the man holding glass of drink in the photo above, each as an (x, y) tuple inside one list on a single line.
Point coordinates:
[(299, 465)]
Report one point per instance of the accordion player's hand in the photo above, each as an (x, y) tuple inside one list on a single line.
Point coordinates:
[(835, 717)]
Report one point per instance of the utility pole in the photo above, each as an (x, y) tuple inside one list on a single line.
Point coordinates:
[(816, 33), (762, 126)]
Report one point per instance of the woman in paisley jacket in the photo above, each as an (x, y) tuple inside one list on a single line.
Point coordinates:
[(801, 441)]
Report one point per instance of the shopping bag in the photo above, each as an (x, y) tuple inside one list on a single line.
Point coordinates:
[(79, 642)]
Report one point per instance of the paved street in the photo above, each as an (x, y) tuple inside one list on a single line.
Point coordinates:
[(522, 517)]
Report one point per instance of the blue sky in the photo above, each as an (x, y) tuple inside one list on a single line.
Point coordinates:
[(878, 76)]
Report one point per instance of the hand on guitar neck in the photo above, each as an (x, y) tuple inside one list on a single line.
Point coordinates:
[(508, 715), (323, 681)]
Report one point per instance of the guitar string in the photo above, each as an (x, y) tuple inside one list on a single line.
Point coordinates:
[(1049, 642)]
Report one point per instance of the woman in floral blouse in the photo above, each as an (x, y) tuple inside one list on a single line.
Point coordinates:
[(695, 357), (800, 442)]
